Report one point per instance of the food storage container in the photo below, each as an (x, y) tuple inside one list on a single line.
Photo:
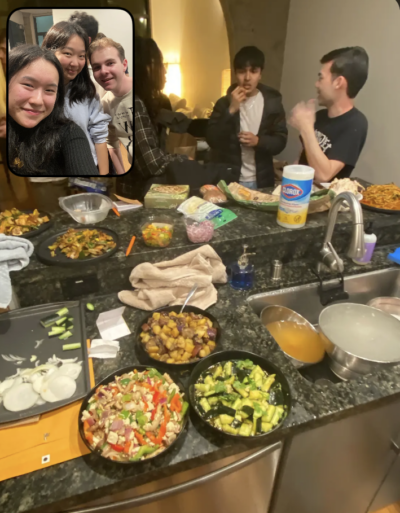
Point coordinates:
[(199, 230), (86, 208), (157, 231)]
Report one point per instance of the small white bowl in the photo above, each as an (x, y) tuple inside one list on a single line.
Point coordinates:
[(86, 208)]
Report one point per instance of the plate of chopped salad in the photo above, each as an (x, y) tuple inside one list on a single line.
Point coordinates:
[(135, 414)]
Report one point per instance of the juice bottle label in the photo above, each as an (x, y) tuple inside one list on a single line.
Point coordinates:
[(294, 200)]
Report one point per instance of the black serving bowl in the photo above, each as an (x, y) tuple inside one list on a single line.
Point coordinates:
[(109, 379), (233, 354), (145, 357)]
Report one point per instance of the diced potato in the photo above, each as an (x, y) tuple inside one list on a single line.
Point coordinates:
[(201, 322), (156, 329), (189, 347), (156, 315), (207, 350), (200, 332), (164, 358), (143, 334), (185, 356), (170, 360), (156, 356), (166, 330), (174, 354), (193, 324), (209, 322), (202, 353), (181, 338), (152, 349), (171, 324), (211, 344), (170, 343), (163, 336), (175, 333), (146, 338), (173, 314), (181, 344), (181, 315)]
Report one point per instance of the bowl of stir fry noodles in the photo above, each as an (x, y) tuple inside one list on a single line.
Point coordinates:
[(382, 198)]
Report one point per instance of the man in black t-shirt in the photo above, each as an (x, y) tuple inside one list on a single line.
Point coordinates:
[(334, 137)]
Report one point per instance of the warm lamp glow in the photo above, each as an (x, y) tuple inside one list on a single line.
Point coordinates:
[(174, 80), (226, 81)]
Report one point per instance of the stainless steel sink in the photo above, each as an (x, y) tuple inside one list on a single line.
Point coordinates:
[(304, 299)]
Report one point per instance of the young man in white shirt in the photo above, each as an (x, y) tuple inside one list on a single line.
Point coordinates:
[(248, 126), (109, 65)]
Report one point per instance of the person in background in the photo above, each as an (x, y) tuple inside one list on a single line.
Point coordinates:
[(334, 137), (247, 126), (41, 140), (109, 64), (3, 56), (70, 44), (91, 26)]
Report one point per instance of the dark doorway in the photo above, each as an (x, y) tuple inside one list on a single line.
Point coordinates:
[(16, 33)]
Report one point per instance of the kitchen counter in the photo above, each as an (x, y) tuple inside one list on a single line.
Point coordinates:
[(39, 283), (71, 483)]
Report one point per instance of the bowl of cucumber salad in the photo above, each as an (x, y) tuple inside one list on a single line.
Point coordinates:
[(239, 394)]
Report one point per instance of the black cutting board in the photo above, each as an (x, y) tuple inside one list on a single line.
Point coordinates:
[(41, 229), (44, 255), (19, 330)]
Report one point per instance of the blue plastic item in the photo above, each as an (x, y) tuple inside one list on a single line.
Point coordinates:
[(395, 256)]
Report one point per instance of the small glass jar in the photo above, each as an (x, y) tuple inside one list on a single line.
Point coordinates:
[(199, 230)]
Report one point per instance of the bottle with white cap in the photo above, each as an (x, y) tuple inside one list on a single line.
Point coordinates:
[(296, 189)]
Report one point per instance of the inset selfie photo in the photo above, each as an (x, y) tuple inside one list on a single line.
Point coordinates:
[(70, 92)]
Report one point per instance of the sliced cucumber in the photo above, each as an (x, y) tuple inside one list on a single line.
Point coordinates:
[(68, 347), (65, 335), (63, 312), (90, 307), (56, 330)]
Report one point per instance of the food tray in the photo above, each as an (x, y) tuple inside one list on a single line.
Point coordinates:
[(20, 329), (380, 210), (43, 252), (41, 229)]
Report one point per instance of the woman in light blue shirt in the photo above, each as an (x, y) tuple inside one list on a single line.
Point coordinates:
[(70, 44)]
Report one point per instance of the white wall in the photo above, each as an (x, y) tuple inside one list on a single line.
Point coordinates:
[(17, 17), (114, 23), (195, 36), (318, 26)]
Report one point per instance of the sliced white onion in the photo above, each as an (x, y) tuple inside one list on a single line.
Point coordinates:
[(37, 383), (20, 397), (8, 383), (58, 388), (70, 369), (40, 401)]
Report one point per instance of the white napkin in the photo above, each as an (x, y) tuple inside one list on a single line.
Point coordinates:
[(100, 348), (14, 256)]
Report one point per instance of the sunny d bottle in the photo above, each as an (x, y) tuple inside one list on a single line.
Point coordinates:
[(296, 189)]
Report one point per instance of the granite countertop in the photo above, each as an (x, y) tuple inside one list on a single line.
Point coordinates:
[(65, 485)]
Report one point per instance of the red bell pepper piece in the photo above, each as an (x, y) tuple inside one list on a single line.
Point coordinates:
[(117, 448), (176, 404), (140, 438), (127, 446), (151, 436)]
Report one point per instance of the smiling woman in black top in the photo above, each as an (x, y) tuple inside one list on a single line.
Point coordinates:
[(41, 141)]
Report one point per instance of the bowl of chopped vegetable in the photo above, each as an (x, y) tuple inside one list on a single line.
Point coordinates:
[(134, 414), (175, 340), (239, 394), (157, 231)]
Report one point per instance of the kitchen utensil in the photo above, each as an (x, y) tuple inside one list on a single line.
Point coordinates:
[(265, 364), (19, 331), (274, 313), (359, 339), (390, 305), (130, 246), (86, 208), (192, 291), (108, 379), (144, 356), (159, 240), (44, 255)]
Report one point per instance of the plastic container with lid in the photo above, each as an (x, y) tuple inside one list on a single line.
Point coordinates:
[(157, 231), (199, 229), (86, 208), (296, 189)]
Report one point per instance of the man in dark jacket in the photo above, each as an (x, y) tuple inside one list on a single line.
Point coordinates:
[(248, 125)]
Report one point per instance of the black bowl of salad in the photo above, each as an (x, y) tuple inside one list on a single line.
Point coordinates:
[(239, 394), (134, 414), (177, 341)]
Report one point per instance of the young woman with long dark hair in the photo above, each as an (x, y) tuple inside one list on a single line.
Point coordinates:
[(70, 45), (41, 140)]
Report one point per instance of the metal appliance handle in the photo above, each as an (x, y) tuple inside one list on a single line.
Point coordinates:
[(180, 488), (396, 447)]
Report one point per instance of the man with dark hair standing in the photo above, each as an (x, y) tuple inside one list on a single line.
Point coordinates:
[(334, 137), (247, 126), (89, 23)]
